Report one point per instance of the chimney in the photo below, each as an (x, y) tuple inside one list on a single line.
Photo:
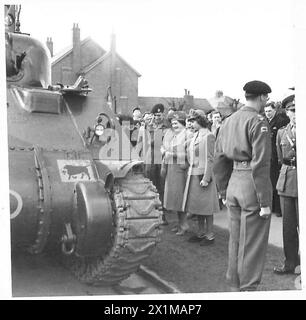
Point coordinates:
[(50, 45), (188, 100), (76, 49), (113, 43)]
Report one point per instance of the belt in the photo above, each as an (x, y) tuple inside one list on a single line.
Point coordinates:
[(289, 162), (242, 165)]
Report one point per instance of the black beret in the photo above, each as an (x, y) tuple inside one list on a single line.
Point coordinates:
[(158, 108), (289, 102), (136, 108), (256, 88)]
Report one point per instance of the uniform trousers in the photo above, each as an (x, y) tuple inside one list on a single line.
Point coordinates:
[(274, 173), (249, 232), (290, 211)]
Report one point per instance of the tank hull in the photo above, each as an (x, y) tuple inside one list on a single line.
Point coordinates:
[(103, 216)]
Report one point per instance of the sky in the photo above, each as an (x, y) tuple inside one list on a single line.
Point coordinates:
[(202, 46)]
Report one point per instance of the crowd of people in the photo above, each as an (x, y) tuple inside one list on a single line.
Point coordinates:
[(246, 161)]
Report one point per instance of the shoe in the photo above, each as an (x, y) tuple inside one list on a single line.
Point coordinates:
[(283, 270), (175, 229), (221, 205), (278, 214), (196, 238), (192, 216), (181, 232), (164, 221), (297, 270), (254, 288), (207, 242)]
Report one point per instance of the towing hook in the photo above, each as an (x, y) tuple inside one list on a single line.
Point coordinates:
[(68, 240)]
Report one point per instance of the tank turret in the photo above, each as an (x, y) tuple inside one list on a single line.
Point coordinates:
[(99, 212)]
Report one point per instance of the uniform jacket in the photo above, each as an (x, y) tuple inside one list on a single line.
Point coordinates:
[(278, 121), (245, 136), (286, 149)]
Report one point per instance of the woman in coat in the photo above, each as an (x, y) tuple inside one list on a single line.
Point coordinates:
[(200, 195), (174, 168)]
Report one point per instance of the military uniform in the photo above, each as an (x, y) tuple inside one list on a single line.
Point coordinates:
[(288, 192), (242, 171), (148, 145), (278, 121)]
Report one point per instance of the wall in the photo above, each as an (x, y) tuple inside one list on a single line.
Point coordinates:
[(57, 70)]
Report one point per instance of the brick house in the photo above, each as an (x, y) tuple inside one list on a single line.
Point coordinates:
[(108, 74)]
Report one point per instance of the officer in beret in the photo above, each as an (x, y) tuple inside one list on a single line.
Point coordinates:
[(158, 109), (287, 190), (242, 171), (149, 144)]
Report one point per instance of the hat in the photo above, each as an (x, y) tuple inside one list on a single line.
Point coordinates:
[(158, 108), (136, 108), (289, 102), (256, 88), (196, 113), (178, 115)]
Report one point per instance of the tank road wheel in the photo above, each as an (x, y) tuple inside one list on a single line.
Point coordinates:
[(136, 231)]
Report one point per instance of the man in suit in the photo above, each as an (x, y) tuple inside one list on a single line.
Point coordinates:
[(277, 120)]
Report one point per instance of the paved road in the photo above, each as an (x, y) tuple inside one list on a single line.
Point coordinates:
[(42, 276)]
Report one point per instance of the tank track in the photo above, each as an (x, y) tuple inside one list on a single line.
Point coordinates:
[(137, 219)]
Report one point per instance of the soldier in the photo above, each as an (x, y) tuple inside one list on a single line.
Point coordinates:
[(287, 190), (276, 121), (242, 171), (149, 144)]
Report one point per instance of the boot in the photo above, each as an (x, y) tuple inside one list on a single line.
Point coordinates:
[(164, 220)]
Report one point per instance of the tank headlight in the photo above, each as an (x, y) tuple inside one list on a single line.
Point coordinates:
[(9, 20), (99, 129)]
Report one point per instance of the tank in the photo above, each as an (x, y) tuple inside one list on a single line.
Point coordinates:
[(73, 190)]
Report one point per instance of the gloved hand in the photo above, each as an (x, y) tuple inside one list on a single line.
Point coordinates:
[(204, 183), (265, 212)]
